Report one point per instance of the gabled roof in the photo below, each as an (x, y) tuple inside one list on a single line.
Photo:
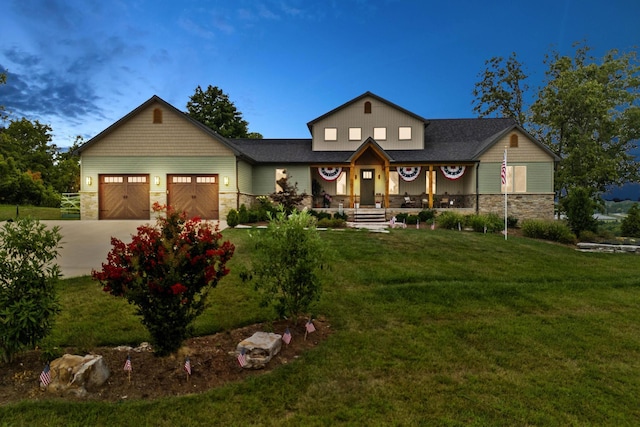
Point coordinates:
[(169, 107), (369, 143), (359, 98)]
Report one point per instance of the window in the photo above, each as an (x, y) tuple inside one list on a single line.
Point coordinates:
[(431, 182), (367, 107), (136, 179), (181, 179), (404, 133), (380, 134), (394, 182), (113, 179), (516, 179), (513, 142), (367, 174), (280, 173), (206, 180), (355, 134), (330, 134), (157, 115), (341, 184)]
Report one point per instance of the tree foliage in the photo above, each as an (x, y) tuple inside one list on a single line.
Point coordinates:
[(630, 226), (288, 196), (587, 112), (287, 263), (167, 271), (214, 109), (502, 89), (580, 206), (28, 276)]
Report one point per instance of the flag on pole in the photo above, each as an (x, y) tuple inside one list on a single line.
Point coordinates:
[(242, 359), (187, 366), (503, 170), (127, 364), (45, 376), (433, 225), (310, 326), (287, 336)]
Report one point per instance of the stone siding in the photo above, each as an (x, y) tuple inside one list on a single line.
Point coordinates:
[(521, 206), (88, 205)]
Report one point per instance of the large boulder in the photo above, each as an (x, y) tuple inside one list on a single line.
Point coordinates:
[(77, 374), (259, 349)]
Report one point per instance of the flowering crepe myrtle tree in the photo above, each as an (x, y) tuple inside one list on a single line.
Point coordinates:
[(167, 272)]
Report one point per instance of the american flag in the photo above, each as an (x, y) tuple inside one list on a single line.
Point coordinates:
[(187, 366), (287, 336), (127, 364), (433, 225), (503, 169), (310, 327), (45, 376), (242, 359)]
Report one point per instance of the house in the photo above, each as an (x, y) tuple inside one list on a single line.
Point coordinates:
[(367, 152)]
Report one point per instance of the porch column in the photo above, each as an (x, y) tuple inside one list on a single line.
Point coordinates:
[(431, 186), (386, 185), (351, 186)]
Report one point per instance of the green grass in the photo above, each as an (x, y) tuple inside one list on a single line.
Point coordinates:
[(9, 212), (431, 328)]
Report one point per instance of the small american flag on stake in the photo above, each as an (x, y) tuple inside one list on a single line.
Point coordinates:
[(187, 366), (45, 376), (310, 327), (242, 359), (127, 364), (287, 336)]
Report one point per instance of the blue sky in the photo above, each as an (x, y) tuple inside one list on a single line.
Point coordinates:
[(81, 65)]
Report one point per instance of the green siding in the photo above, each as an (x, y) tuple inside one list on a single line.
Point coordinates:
[(161, 166), (539, 177), (245, 178), (264, 178)]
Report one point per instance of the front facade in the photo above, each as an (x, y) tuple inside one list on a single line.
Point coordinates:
[(368, 152)]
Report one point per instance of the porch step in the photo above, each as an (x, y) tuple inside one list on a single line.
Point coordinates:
[(369, 216)]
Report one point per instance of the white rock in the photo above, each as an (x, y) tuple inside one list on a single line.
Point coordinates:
[(259, 349)]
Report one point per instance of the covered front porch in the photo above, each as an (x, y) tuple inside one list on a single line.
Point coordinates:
[(372, 179)]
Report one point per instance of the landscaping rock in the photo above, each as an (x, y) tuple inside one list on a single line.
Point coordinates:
[(77, 374), (259, 349)]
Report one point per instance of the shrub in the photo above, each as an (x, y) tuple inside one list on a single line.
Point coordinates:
[(332, 223), (485, 222), (548, 230), (512, 221), (343, 216), (579, 207), (288, 198), (28, 302), (166, 272), (233, 218), (412, 219), (450, 220), (630, 226), (427, 215), (286, 264), (243, 214)]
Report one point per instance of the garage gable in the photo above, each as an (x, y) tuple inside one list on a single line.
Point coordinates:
[(156, 128)]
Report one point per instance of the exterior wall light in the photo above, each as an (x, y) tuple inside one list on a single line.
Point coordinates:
[(225, 180), (88, 180), (156, 180)]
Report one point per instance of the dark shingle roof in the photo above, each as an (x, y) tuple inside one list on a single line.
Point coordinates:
[(446, 140)]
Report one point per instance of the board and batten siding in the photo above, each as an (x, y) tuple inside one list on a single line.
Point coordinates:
[(539, 177), (264, 178), (382, 115), (526, 151), (139, 136), (245, 178)]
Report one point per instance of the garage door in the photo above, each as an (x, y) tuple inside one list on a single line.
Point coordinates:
[(123, 196), (195, 194)]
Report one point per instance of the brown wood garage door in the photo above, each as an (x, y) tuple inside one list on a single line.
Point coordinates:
[(195, 194), (123, 196)]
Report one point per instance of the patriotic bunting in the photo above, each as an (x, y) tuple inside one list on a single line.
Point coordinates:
[(452, 172)]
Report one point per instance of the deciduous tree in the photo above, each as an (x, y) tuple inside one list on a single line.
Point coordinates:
[(214, 109)]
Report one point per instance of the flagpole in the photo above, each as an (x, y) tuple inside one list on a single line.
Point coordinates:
[(506, 189)]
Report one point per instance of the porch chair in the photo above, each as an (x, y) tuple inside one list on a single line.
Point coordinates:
[(444, 202), (408, 203)]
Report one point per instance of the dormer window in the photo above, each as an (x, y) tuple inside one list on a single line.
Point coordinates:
[(513, 143), (367, 107), (157, 115)]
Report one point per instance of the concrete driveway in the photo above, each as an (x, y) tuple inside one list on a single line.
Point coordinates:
[(85, 244)]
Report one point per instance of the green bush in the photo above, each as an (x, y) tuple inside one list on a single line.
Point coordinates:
[(579, 207), (166, 272), (332, 223), (233, 218), (630, 226), (286, 265), (548, 230), (320, 214), (412, 219), (512, 221), (243, 214), (450, 220), (427, 215), (343, 216), (485, 222), (28, 302)]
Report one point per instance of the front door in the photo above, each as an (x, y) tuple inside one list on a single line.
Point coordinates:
[(367, 187)]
